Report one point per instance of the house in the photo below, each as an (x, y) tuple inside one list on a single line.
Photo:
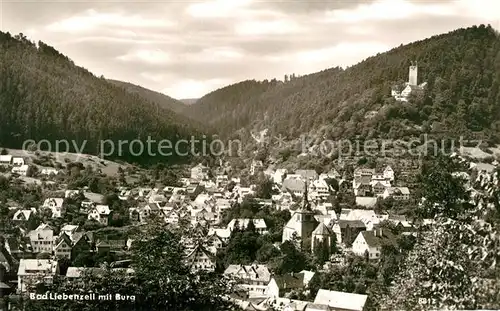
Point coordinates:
[(32, 271), (62, 248), (20, 170), (199, 172), (388, 173), (214, 243), (256, 166), (253, 278), (201, 259), (294, 186), (282, 284), (70, 230), (82, 243), (49, 171), (346, 231), (307, 175), (371, 242), (259, 224), (368, 216), (24, 214), (100, 213), (42, 239), (397, 193), (5, 159), (72, 193), (340, 301), (18, 248), (55, 205), (379, 187), (18, 161), (221, 181), (110, 246)]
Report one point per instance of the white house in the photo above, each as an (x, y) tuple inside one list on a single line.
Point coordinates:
[(42, 239), (201, 259), (20, 170), (371, 242), (32, 271), (199, 172), (100, 213), (5, 159), (18, 161), (49, 171), (260, 224), (253, 278), (388, 173), (55, 205), (397, 193)]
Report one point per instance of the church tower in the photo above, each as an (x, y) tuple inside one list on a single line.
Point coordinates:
[(413, 75)]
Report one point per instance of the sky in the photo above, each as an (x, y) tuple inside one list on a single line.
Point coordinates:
[(186, 49)]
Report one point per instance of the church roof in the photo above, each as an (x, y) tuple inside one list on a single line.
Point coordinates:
[(321, 229)]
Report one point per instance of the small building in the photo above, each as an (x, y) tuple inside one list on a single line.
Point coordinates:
[(201, 259), (199, 172), (55, 205), (397, 193), (371, 242), (33, 271), (6, 159), (21, 170), (100, 213)]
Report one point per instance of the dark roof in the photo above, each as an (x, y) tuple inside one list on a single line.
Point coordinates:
[(290, 281), (112, 243), (6, 257), (375, 239), (351, 223)]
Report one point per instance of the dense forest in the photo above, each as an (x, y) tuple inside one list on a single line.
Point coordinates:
[(462, 69), (155, 97), (44, 95)]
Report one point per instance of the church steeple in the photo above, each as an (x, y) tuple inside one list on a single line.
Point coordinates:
[(305, 202)]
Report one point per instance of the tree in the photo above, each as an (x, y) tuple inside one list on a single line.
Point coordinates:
[(264, 188), (4, 151), (162, 281), (453, 265)]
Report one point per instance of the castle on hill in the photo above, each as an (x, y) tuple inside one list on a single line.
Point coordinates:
[(410, 86)]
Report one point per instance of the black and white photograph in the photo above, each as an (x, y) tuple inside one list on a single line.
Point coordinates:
[(249, 155)]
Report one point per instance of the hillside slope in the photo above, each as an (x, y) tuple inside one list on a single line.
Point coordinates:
[(155, 97), (44, 95), (462, 69)]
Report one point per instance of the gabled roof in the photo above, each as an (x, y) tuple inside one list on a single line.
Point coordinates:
[(321, 229), (378, 238)]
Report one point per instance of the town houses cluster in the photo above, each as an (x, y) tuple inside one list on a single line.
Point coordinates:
[(200, 203)]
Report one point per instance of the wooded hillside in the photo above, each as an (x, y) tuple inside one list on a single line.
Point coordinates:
[(462, 69), (44, 95)]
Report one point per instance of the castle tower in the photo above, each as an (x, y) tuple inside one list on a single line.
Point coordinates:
[(413, 75)]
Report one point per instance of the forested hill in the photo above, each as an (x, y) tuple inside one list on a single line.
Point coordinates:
[(155, 97), (44, 95), (462, 69)]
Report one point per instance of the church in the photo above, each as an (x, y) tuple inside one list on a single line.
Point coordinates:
[(410, 86)]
